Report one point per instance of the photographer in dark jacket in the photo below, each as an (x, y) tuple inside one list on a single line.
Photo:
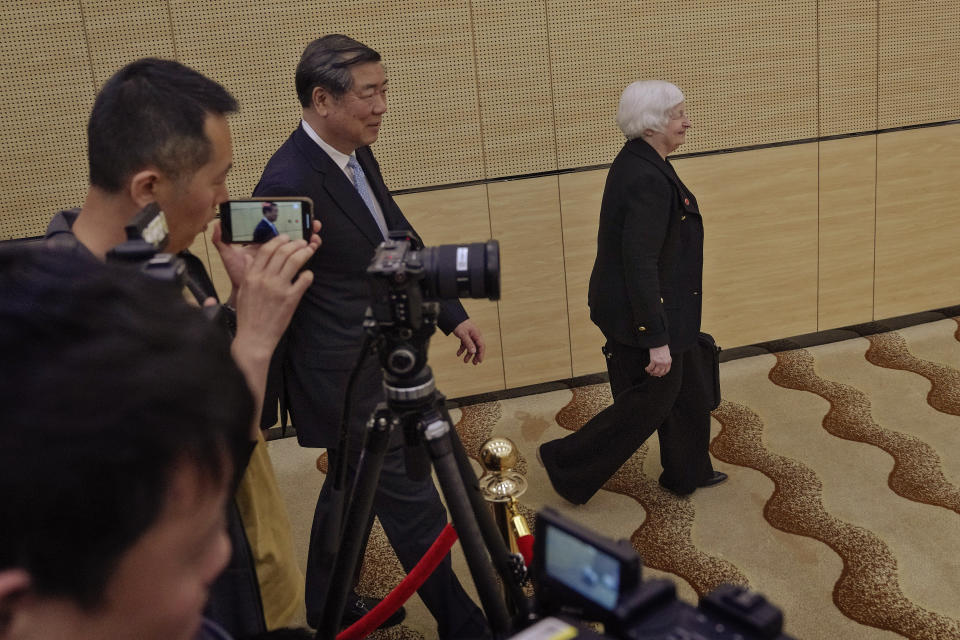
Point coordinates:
[(158, 133), (645, 295)]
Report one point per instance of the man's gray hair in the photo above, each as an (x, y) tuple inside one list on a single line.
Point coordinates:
[(646, 104), (326, 63)]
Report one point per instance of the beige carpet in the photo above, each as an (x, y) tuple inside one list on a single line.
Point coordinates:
[(842, 507)]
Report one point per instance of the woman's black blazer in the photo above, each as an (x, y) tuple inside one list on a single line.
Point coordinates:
[(645, 289)]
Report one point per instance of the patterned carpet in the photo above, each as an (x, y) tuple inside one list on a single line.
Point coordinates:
[(843, 499)]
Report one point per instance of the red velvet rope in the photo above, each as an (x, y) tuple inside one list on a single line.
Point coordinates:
[(402, 592)]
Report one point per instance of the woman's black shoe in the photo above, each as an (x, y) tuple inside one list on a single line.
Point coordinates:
[(716, 478)]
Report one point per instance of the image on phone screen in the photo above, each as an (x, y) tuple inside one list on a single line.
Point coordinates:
[(258, 221)]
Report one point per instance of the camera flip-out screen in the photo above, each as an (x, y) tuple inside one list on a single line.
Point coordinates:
[(577, 569), (582, 567)]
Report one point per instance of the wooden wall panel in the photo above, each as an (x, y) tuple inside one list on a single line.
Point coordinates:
[(515, 93), (848, 66), (580, 195), (847, 219), (121, 31), (919, 50), (453, 216), (525, 217), (760, 256), (918, 261), (47, 93)]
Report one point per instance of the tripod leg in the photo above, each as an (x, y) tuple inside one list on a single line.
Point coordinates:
[(437, 436), (361, 503)]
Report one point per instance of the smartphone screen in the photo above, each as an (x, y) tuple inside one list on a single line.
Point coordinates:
[(257, 220)]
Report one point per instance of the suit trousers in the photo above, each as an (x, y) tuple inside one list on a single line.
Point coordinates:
[(674, 405), (412, 517)]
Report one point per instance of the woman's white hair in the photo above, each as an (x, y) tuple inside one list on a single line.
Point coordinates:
[(646, 104)]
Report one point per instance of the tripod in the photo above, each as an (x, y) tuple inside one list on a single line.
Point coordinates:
[(414, 405)]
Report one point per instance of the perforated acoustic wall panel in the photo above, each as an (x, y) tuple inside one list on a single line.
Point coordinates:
[(596, 49), (513, 68), (426, 50), (748, 69), (919, 57), (848, 66), (46, 98), (122, 31)]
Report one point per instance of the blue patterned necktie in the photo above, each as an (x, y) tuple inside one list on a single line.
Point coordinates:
[(363, 188)]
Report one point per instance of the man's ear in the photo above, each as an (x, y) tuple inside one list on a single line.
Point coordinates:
[(320, 100), (14, 585), (143, 186)]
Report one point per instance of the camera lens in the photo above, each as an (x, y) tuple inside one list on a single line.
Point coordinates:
[(462, 270)]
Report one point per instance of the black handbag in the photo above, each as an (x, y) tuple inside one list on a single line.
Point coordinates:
[(709, 354)]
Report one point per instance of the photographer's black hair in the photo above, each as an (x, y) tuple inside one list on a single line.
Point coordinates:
[(110, 383), (326, 63), (152, 113)]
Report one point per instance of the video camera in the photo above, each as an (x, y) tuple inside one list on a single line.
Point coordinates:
[(579, 575)]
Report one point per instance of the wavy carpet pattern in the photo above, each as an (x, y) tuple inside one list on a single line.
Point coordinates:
[(843, 503)]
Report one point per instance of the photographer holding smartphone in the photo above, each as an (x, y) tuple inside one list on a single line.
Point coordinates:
[(158, 135)]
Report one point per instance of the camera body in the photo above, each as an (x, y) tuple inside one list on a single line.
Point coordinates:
[(409, 280), (580, 575)]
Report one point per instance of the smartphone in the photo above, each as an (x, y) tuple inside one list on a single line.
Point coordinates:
[(256, 220)]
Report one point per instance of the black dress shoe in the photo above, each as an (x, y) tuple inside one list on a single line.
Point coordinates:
[(716, 478), (359, 606)]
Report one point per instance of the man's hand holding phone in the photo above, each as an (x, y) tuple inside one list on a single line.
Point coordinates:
[(268, 282)]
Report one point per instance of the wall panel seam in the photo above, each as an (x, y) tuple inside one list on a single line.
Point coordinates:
[(876, 159), (173, 33), (819, 134), (476, 82), (86, 44), (876, 204), (556, 163)]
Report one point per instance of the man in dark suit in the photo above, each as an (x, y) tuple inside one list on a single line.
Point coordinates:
[(342, 86), (266, 228)]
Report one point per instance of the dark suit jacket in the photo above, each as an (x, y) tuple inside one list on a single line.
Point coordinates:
[(263, 231), (326, 332), (645, 289)]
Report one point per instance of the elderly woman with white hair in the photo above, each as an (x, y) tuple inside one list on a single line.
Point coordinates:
[(645, 295)]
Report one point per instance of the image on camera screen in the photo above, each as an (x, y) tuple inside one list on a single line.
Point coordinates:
[(581, 567), (245, 216)]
